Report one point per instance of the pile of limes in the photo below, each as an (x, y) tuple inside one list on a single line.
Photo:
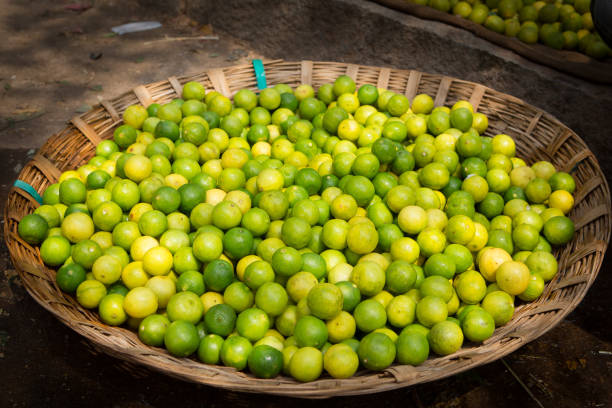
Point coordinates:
[(560, 24), (288, 232)]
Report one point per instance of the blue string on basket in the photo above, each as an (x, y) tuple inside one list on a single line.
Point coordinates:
[(28, 189), (260, 74)]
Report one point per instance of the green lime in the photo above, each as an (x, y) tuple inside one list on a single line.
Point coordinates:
[(287, 261), (218, 274), (543, 264), (238, 296), (395, 131), (325, 301), (431, 310), (307, 210), (562, 181), (106, 147), (438, 122), (440, 265), (296, 232), (501, 239), (469, 144), (237, 242), (194, 90), (400, 277), (344, 84), (350, 295), (235, 352), (470, 287), (461, 119), (126, 194), (272, 298), (309, 179), (332, 119), (370, 315), (500, 305), (181, 338), (376, 351), (90, 292), (97, 179), (33, 229), (220, 319), (168, 130), (285, 323), (412, 348), (256, 220), (190, 281), (166, 200), (252, 324), (85, 253), (367, 94), (306, 364), (461, 256), (559, 230), (107, 215), (185, 306), (525, 237), (398, 105), (274, 203), (340, 360), (404, 161), (69, 277), (289, 101), (124, 136), (492, 205), (72, 191), (310, 332), (269, 98), (111, 310), (152, 330), (445, 338), (209, 350), (55, 250), (265, 361), (153, 223), (401, 311)]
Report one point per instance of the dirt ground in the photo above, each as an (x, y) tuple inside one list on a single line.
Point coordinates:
[(55, 62)]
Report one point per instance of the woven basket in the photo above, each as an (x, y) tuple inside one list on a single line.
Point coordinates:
[(571, 62), (538, 135)]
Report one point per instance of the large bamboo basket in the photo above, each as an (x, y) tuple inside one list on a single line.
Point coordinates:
[(571, 62), (538, 135)]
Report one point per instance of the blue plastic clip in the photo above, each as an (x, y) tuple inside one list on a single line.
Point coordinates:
[(260, 74), (28, 189)]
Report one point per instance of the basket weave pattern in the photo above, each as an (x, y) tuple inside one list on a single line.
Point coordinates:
[(538, 136)]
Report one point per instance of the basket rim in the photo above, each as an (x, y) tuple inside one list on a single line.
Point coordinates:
[(394, 377)]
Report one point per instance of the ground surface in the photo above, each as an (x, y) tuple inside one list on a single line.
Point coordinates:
[(56, 62)]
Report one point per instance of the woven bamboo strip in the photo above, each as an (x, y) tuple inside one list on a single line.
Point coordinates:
[(176, 85), (383, 78), (143, 95), (217, 77), (306, 72), (86, 130), (351, 70), (477, 95), (110, 109), (443, 91), (412, 85)]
